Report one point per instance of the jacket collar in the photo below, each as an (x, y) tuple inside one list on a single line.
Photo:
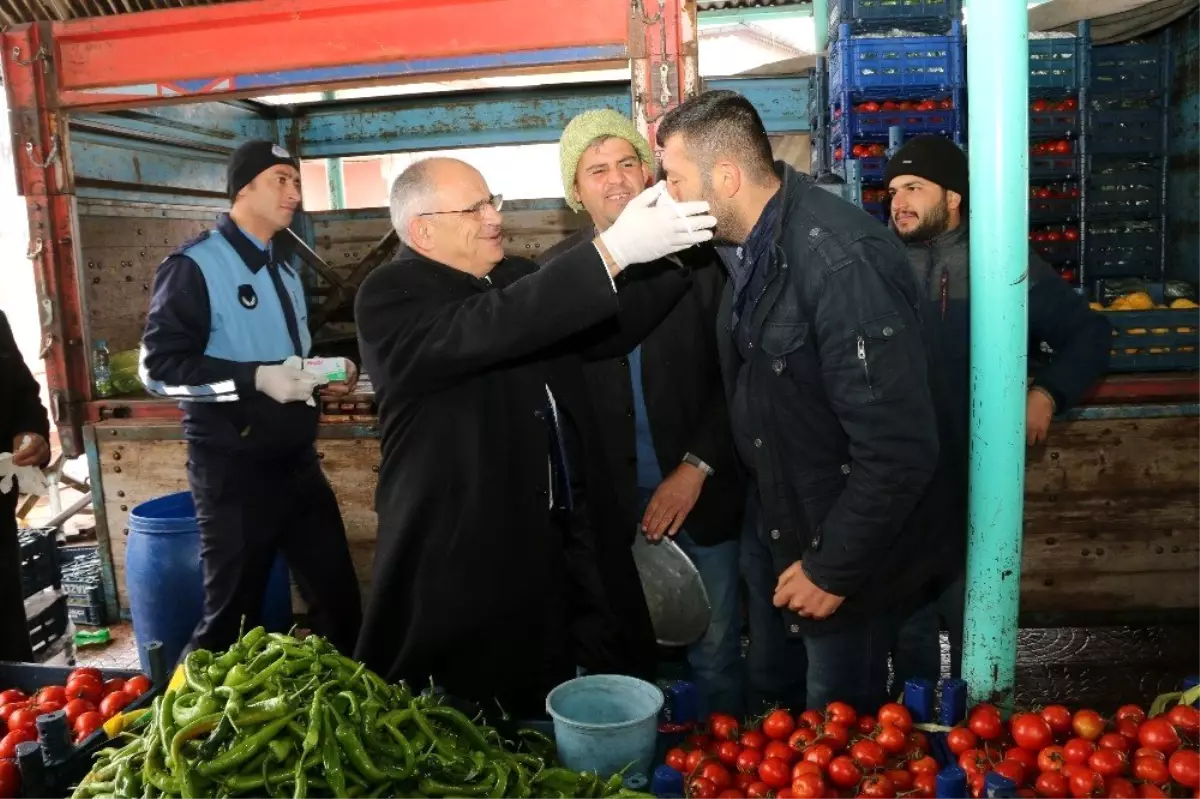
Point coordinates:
[(279, 249), (501, 274)]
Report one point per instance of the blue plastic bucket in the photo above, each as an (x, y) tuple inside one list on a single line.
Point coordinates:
[(606, 723), (165, 580)]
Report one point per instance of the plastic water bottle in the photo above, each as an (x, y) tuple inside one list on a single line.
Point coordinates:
[(102, 370)]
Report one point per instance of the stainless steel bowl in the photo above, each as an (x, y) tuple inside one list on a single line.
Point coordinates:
[(679, 606)]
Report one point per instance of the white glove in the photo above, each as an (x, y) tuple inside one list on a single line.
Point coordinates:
[(31, 478), (284, 383), (646, 231)]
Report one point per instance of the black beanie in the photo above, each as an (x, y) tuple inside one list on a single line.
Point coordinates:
[(933, 158), (251, 160)]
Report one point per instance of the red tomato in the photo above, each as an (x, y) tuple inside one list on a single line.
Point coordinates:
[(1132, 712), (960, 739), (842, 713), (1012, 770), (918, 743), (1086, 783), (23, 717), (728, 752), (85, 687), (844, 772), (1062, 147), (897, 715), (1119, 788), (775, 772), (697, 742), (860, 151), (700, 788), (924, 786), (723, 727), (693, 761), (1031, 731), (89, 671), (748, 760), (717, 774), (900, 778), (77, 707), (819, 753), (923, 765), (1069, 104), (1051, 759), (8, 744), (780, 750), (891, 738), (86, 724), (868, 754), (924, 105), (1108, 763), (1025, 757), (115, 684), (1185, 768), (835, 734), (946, 104), (730, 793), (1055, 235), (1088, 725), (753, 739), (676, 758), (877, 787), (48, 707), (1077, 751), (867, 724), (1150, 769), (51, 693), (808, 786), (811, 718), (1128, 729), (1185, 718), (778, 725), (870, 106), (1114, 740), (1038, 105), (985, 723), (1154, 753), (975, 761), (801, 738), (1052, 785), (10, 780), (11, 696), (804, 767), (1149, 791), (1158, 734), (758, 790), (785, 793)]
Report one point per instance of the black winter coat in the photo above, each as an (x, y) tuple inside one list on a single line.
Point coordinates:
[(474, 583), (685, 403), (832, 393)]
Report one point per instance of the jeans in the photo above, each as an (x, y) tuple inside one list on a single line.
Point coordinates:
[(851, 663), (715, 659), (776, 664), (918, 650)]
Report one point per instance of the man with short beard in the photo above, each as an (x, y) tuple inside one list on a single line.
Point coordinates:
[(927, 181), (661, 422), (825, 376)]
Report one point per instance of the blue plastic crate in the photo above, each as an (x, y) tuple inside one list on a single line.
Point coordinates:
[(1125, 189), (849, 120), (1130, 67), (918, 16), (1054, 204), (818, 96), (1057, 62), (1053, 115), (1127, 124), (1157, 340), (877, 66), (1055, 166), (1124, 248)]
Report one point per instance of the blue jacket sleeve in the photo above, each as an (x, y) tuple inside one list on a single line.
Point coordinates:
[(173, 363)]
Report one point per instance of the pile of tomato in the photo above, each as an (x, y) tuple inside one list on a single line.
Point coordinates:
[(863, 150), (1050, 235), (1054, 753), (1063, 191), (874, 107), (1043, 105), (1052, 147), (838, 753)]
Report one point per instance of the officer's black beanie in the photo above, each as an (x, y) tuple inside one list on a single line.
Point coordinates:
[(251, 160), (933, 158)]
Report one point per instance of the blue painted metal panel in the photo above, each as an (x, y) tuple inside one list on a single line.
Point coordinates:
[(210, 125), (781, 102), (1133, 411), (1183, 133), (432, 122), (106, 161)]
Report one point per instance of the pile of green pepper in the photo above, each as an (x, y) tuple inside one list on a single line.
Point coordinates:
[(279, 716)]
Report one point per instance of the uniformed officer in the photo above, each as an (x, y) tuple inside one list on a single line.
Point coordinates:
[(226, 312)]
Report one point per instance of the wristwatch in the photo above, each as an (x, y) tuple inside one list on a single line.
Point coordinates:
[(692, 460)]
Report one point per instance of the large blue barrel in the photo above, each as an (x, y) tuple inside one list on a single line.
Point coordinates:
[(165, 581)]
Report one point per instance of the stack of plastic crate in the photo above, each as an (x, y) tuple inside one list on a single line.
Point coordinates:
[(45, 604), (892, 64), (818, 117), (81, 582), (1126, 111), (1057, 91)]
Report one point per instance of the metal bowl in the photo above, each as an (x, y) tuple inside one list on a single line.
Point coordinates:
[(679, 606)]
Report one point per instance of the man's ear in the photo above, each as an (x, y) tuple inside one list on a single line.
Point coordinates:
[(727, 178), (953, 200)]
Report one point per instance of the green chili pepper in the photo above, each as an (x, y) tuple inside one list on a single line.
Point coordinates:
[(439, 742), (154, 773), (331, 759), (559, 779), (190, 707), (195, 667), (501, 786), (262, 676), (280, 749), (243, 751), (191, 785), (464, 725), (165, 724), (431, 787), (353, 748), (194, 730), (262, 712), (236, 676)]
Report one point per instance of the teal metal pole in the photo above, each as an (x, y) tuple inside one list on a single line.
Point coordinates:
[(334, 176), (998, 148), (821, 23)]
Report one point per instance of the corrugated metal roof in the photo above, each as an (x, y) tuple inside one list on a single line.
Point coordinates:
[(16, 12), (725, 5)]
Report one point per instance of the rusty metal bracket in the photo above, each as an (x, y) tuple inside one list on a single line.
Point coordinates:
[(345, 293), (316, 262), (41, 54), (50, 159), (35, 249)]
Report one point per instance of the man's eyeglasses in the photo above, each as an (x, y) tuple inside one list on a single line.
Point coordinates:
[(496, 201)]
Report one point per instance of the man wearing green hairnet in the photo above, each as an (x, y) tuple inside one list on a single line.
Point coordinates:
[(660, 410)]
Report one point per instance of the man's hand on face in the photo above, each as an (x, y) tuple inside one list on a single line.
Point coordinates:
[(673, 500), (1039, 411), (801, 595)]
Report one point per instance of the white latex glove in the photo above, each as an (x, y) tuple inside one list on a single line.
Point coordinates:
[(285, 383), (31, 478), (648, 230)]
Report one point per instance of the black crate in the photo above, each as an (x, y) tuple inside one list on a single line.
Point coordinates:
[(1129, 125), (1124, 248), (88, 615), (39, 560), (1046, 164), (1154, 340), (65, 766), (47, 626), (1125, 189), (1057, 62), (1059, 254), (1139, 66), (1053, 115)]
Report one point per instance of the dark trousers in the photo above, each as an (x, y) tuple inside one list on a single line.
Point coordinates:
[(14, 628), (918, 650), (247, 513)]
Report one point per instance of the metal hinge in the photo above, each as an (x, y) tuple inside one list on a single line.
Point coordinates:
[(49, 159), (42, 54)]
